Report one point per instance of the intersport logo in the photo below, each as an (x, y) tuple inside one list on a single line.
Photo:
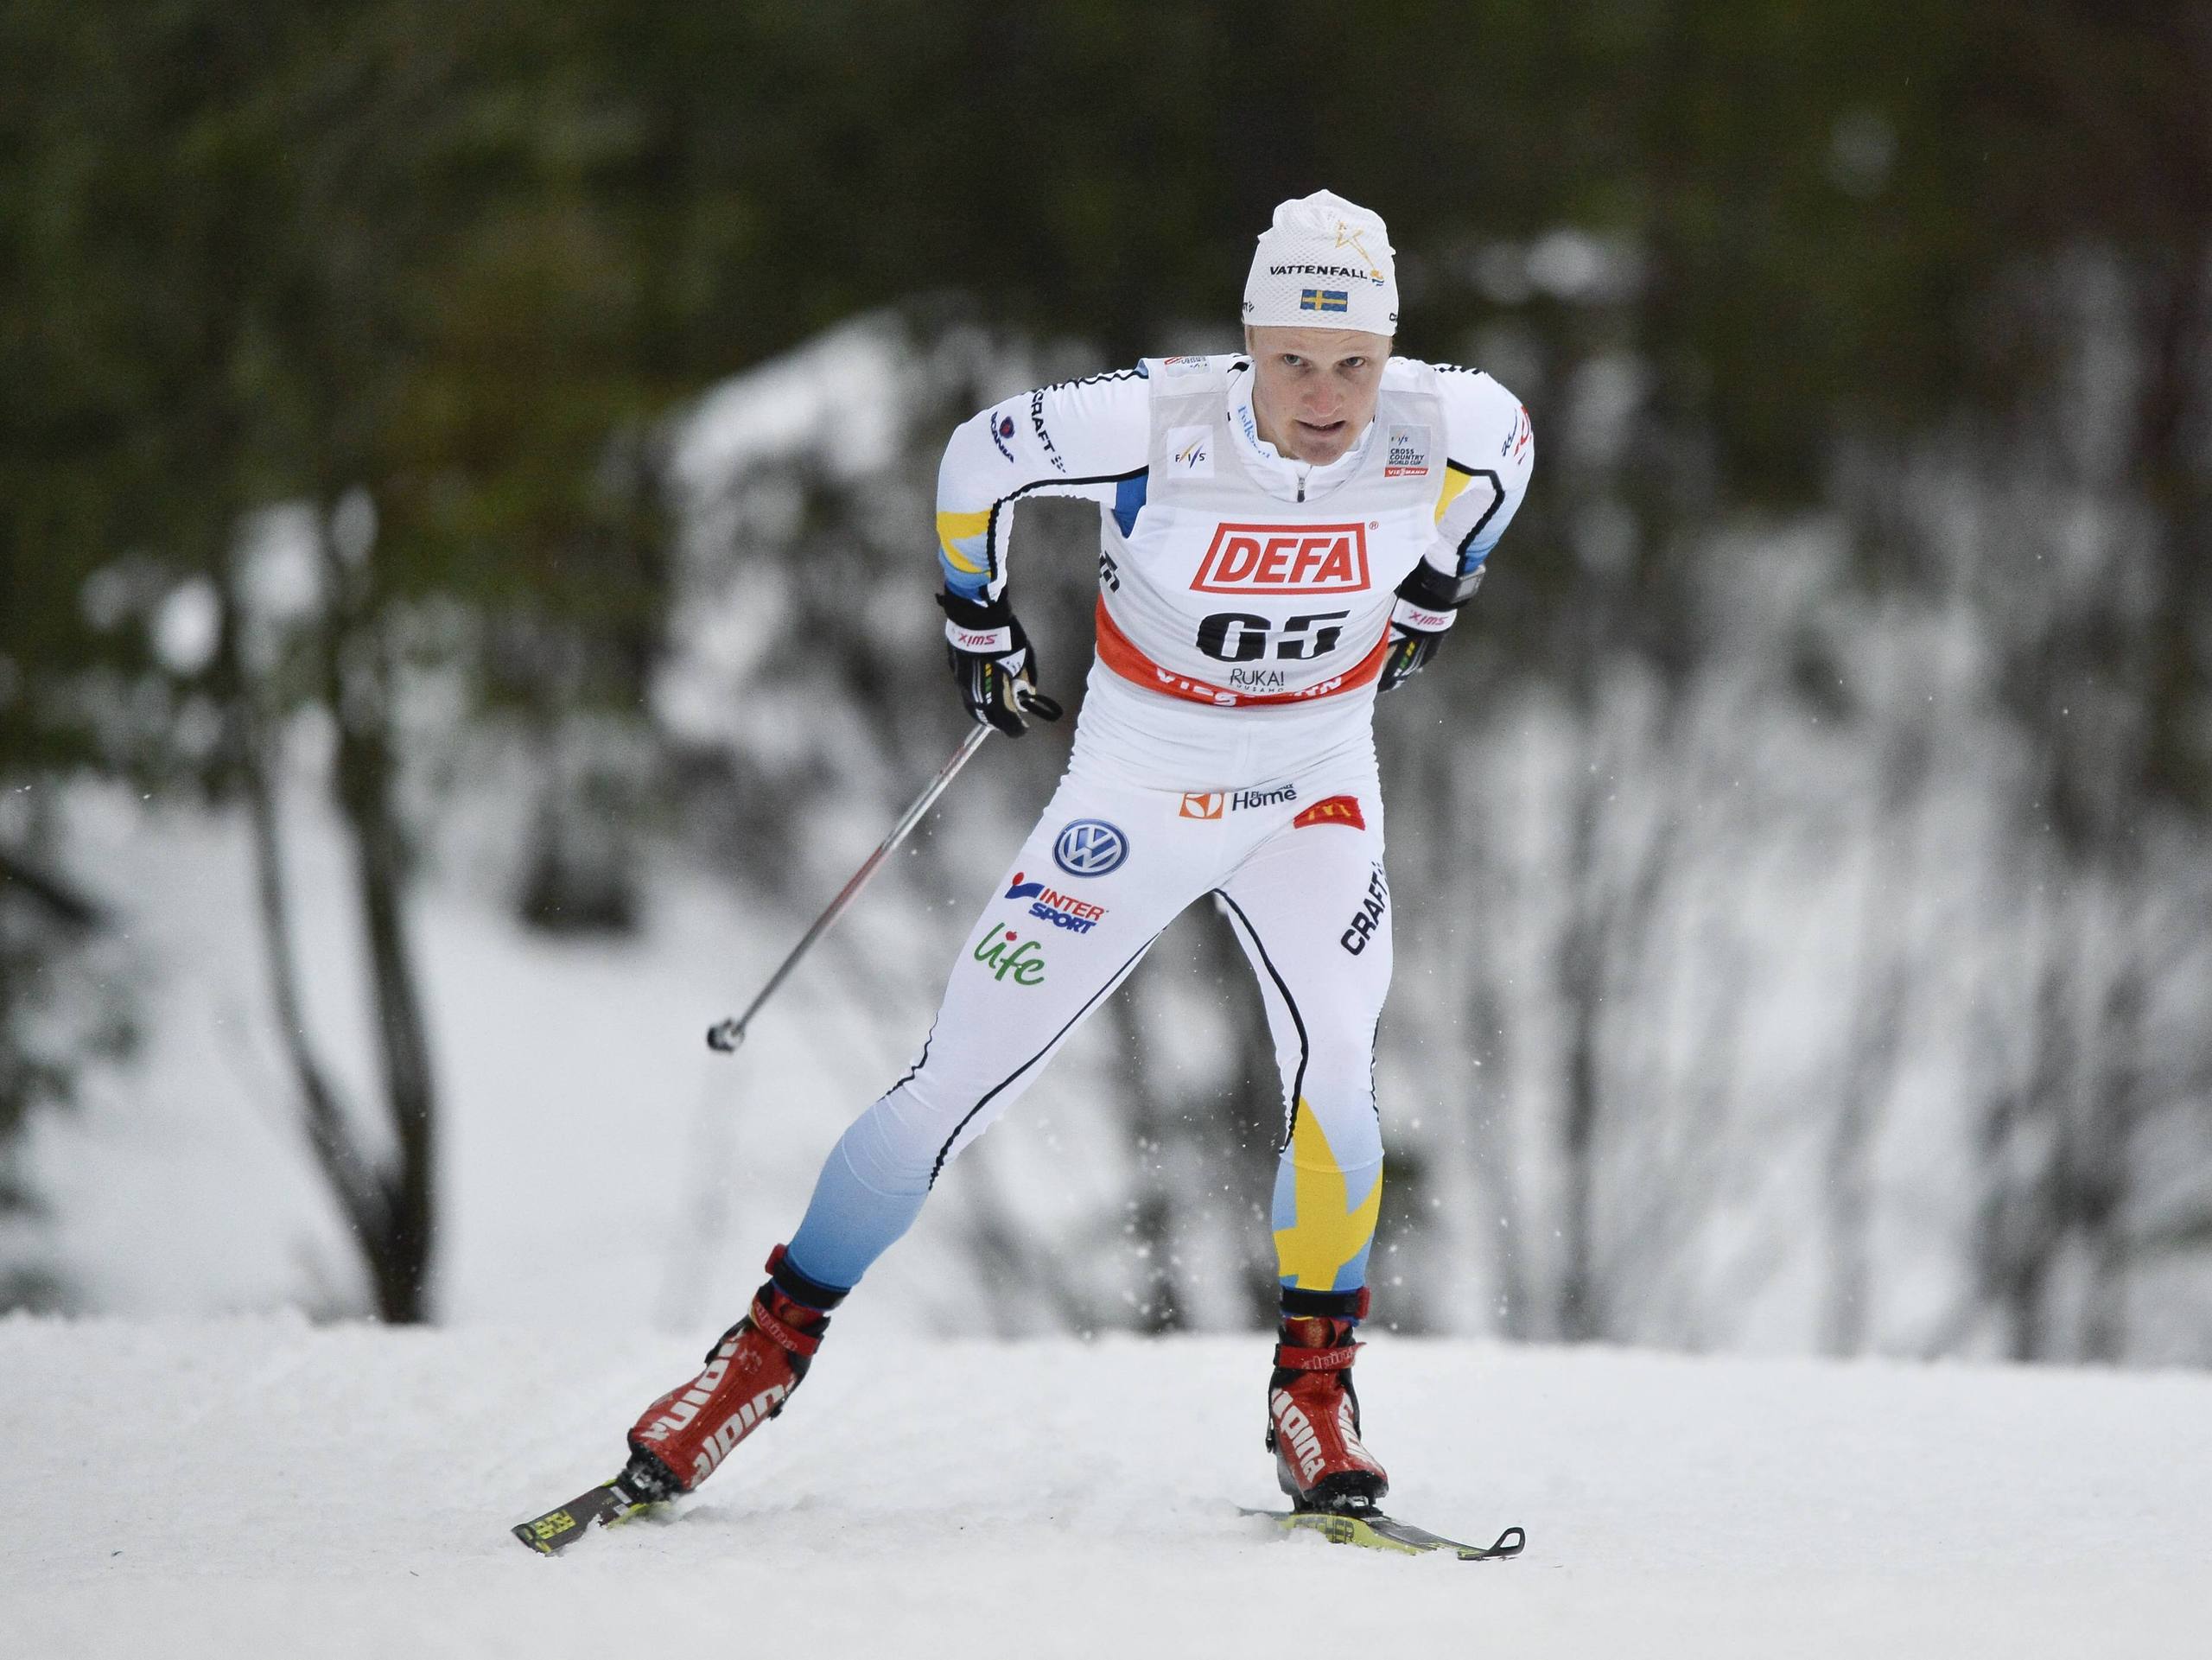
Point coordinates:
[(1284, 559)]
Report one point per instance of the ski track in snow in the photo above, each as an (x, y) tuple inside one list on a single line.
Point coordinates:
[(261, 1486)]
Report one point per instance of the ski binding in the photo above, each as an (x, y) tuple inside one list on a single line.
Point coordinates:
[(1379, 1532)]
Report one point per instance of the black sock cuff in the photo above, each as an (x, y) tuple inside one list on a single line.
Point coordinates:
[(811, 1294), (1323, 1305)]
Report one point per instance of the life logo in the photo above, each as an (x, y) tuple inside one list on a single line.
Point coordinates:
[(1284, 559), (1090, 847), (1007, 955), (1061, 910)]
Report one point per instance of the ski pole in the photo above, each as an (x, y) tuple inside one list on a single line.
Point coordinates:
[(724, 1036)]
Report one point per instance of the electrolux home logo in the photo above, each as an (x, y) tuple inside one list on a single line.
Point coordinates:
[(1090, 847), (1284, 559), (1211, 804)]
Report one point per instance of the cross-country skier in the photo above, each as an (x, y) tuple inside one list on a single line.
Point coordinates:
[(1285, 534)]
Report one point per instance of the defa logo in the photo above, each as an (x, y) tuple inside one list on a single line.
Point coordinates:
[(1284, 559)]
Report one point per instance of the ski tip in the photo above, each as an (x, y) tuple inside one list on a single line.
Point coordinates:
[(522, 1531)]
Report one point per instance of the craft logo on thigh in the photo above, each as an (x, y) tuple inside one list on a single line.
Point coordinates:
[(1090, 847), (1202, 804), (1005, 952), (1361, 928), (1331, 809), (1061, 910)]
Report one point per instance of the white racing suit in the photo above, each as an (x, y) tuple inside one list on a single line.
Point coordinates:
[(1224, 747)]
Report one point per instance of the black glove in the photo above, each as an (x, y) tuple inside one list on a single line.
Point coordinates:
[(1428, 601), (993, 662)]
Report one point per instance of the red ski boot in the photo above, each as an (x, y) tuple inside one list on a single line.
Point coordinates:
[(1313, 1420), (749, 1375)]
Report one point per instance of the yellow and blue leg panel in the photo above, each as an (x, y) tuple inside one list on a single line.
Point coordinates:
[(1328, 1191)]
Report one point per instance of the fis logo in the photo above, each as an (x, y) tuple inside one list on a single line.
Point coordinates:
[(1517, 437), (1324, 300), (1364, 921), (1061, 910), (1191, 451), (1331, 809), (1005, 952), (1284, 559)]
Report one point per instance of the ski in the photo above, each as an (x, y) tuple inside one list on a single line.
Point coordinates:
[(1378, 1532), (557, 1530)]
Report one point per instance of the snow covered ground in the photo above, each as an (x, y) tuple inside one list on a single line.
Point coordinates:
[(260, 1486)]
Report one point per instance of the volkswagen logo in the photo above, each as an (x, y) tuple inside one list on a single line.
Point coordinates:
[(1090, 847)]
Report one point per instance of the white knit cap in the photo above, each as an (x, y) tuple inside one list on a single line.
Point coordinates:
[(1323, 264)]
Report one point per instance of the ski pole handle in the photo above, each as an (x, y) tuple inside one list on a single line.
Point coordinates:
[(725, 1036)]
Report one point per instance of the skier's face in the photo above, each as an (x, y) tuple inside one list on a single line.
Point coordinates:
[(1314, 389)]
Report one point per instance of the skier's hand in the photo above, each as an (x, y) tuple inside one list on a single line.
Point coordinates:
[(994, 663), (1429, 603)]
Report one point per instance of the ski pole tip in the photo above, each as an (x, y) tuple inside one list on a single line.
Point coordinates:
[(724, 1036)]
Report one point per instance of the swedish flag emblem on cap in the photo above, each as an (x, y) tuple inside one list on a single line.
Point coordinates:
[(1324, 300)]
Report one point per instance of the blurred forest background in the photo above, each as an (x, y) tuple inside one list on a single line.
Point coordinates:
[(465, 550)]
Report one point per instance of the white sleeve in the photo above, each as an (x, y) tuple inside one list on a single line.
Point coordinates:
[(1489, 450), (1086, 438)]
